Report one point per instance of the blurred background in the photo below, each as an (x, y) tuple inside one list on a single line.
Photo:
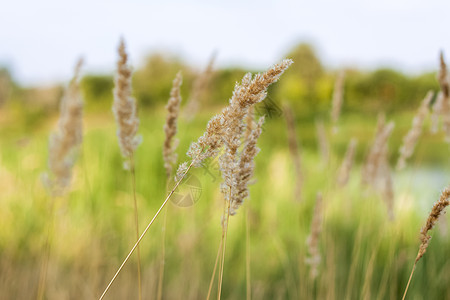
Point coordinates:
[(388, 52)]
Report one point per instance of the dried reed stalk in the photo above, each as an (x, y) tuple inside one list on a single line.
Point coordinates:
[(170, 128), (170, 158), (250, 92), (312, 241), (199, 88), (433, 217), (125, 112), (338, 99), (322, 139), (372, 164), (124, 108), (65, 141), (411, 138), (437, 109), (294, 150), (347, 163), (445, 89)]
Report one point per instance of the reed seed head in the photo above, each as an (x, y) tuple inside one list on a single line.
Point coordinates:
[(124, 107), (67, 137), (170, 128), (435, 213)]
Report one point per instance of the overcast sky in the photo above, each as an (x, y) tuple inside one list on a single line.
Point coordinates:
[(41, 40)]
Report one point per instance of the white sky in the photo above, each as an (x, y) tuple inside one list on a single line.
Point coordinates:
[(41, 40)]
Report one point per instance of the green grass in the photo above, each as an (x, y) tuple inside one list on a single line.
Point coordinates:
[(363, 254)]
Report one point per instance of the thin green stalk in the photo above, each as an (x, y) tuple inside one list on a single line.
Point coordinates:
[(214, 271), (163, 254), (145, 231), (247, 253), (136, 223), (409, 281), (224, 243), (47, 245)]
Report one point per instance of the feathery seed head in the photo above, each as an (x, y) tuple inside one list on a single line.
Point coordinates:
[(124, 107), (170, 128)]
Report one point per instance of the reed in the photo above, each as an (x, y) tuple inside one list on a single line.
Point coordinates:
[(314, 258), (170, 158), (199, 88), (347, 163), (373, 160), (443, 79), (65, 141), (251, 91), (64, 144), (125, 112), (425, 238), (411, 138)]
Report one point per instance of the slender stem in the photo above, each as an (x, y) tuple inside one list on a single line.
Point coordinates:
[(247, 253), (44, 266), (136, 223), (145, 231), (214, 271), (163, 253), (224, 238), (409, 281)]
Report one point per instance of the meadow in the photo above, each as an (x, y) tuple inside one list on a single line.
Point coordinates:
[(364, 254)]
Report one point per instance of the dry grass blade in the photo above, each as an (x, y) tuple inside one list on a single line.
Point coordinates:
[(434, 215)]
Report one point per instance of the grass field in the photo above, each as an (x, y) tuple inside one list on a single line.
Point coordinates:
[(364, 255)]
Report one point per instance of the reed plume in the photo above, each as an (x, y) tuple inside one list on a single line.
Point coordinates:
[(347, 163), (312, 241), (245, 168), (411, 138), (437, 109), (170, 128), (199, 88), (294, 150), (250, 92), (445, 89), (124, 108), (125, 112), (338, 99), (67, 137), (373, 159), (433, 217), (322, 139)]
